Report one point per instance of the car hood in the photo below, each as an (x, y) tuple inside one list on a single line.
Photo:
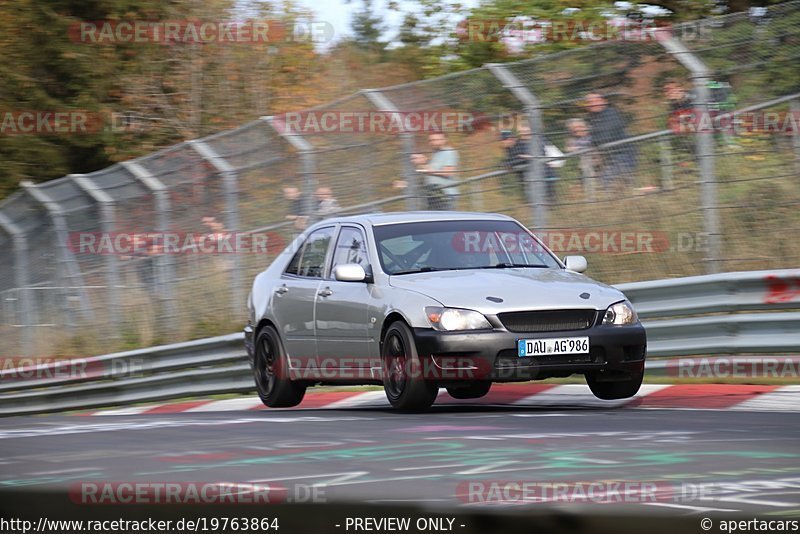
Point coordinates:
[(499, 290)]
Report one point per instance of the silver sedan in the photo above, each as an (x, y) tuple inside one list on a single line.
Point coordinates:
[(422, 300)]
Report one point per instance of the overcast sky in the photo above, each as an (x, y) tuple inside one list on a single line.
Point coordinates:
[(339, 13)]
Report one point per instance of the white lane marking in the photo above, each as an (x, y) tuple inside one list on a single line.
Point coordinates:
[(338, 481), (515, 469), (490, 468), (587, 460), (135, 423), (129, 410), (554, 414), (446, 466), (784, 399), (743, 499), (581, 395), (225, 405), (693, 508), (391, 479), (344, 479), (405, 500), (338, 478), (648, 389), (64, 471), (368, 398)]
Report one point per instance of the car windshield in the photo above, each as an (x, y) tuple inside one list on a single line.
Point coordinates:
[(407, 248)]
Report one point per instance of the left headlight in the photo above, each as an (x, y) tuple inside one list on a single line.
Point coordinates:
[(451, 319), (621, 313)]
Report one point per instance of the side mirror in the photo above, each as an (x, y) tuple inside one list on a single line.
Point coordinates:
[(576, 263), (349, 272)]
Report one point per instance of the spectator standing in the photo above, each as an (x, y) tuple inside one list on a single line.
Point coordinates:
[(295, 207), (217, 233), (439, 172), (678, 98), (518, 157), (607, 125), (580, 139), (550, 166), (326, 202)]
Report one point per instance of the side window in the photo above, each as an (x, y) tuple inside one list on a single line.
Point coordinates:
[(294, 265), (350, 248), (312, 262)]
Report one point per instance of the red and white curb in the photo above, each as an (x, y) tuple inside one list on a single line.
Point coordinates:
[(680, 396)]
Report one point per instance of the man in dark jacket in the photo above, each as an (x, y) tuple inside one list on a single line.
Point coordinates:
[(518, 157), (607, 125)]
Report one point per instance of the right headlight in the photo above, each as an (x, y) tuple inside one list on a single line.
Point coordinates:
[(453, 319), (621, 313)]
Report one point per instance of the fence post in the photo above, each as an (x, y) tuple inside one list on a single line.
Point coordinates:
[(309, 167), (70, 271), (383, 103), (21, 280), (665, 146), (108, 224), (165, 274), (535, 173), (230, 180), (794, 108), (701, 75)]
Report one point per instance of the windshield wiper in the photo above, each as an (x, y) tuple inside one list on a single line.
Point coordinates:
[(501, 265), (424, 270), (506, 265)]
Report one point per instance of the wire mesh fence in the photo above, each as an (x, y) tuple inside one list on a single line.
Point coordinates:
[(583, 146)]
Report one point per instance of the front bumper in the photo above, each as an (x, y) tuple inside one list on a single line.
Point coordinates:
[(492, 355), (248, 340)]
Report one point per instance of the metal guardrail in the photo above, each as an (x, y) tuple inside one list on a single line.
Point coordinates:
[(702, 315), (725, 292), (705, 315)]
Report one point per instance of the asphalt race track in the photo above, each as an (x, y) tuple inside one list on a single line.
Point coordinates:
[(698, 461)]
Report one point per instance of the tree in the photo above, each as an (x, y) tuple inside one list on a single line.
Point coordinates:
[(145, 94), (368, 28)]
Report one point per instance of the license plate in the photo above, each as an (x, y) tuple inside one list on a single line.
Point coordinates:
[(552, 346)]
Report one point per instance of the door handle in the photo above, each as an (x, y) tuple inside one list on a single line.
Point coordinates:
[(281, 290), (325, 292)]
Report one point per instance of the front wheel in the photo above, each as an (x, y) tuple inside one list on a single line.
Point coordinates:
[(271, 371), (403, 379), (616, 389)]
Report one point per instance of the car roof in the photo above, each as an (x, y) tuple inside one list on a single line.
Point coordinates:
[(395, 217)]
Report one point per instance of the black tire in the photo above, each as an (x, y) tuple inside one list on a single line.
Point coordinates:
[(474, 390), (403, 380), (617, 389), (271, 372)]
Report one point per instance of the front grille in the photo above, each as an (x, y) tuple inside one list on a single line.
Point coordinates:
[(509, 359), (547, 320)]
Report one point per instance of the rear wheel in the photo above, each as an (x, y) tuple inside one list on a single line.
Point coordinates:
[(271, 371), (474, 390), (403, 379), (606, 389)]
